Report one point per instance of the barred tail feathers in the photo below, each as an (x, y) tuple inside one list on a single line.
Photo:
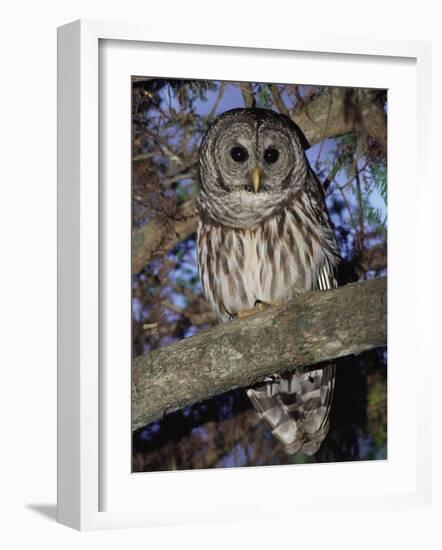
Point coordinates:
[(297, 407)]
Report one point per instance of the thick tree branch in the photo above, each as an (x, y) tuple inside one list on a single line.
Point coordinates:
[(340, 111), (314, 327)]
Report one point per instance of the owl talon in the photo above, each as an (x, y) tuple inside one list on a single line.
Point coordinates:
[(245, 313), (259, 307), (262, 306)]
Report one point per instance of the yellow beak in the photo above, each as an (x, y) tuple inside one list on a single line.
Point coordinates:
[(256, 179)]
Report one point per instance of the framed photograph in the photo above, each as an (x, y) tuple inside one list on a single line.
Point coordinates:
[(226, 211), (205, 252)]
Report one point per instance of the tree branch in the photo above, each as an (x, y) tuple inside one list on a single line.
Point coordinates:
[(339, 112), (162, 234), (313, 327)]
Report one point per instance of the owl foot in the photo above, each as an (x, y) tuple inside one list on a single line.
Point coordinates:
[(259, 307)]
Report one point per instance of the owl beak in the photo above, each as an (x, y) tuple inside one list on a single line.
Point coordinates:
[(256, 179)]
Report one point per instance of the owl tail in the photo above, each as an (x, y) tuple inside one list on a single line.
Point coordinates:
[(297, 407)]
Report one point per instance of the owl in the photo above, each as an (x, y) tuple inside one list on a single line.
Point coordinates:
[(264, 235)]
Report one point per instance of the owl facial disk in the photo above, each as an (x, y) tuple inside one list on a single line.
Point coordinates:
[(255, 152), (251, 162)]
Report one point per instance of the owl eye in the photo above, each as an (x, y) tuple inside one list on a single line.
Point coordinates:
[(271, 155), (238, 154)]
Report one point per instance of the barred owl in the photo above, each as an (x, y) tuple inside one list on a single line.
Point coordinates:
[(264, 234)]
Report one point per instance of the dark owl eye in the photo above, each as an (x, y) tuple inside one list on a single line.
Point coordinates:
[(238, 154), (271, 155)]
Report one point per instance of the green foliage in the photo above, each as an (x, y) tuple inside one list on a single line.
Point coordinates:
[(379, 174), (366, 180), (189, 91), (375, 217), (185, 192), (264, 96), (346, 145)]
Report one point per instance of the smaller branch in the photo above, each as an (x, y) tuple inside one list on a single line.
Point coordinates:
[(196, 318), (217, 100), (360, 235), (144, 156), (324, 130), (167, 182), (164, 147), (278, 101), (162, 234), (247, 94), (172, 307), (203, 318), (150, 326)]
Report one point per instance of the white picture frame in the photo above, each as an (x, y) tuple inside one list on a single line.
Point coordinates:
[(82, 445)]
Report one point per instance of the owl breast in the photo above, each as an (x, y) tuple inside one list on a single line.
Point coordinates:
[(240, 266)]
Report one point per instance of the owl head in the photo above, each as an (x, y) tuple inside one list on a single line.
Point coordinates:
[(251, 163)]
